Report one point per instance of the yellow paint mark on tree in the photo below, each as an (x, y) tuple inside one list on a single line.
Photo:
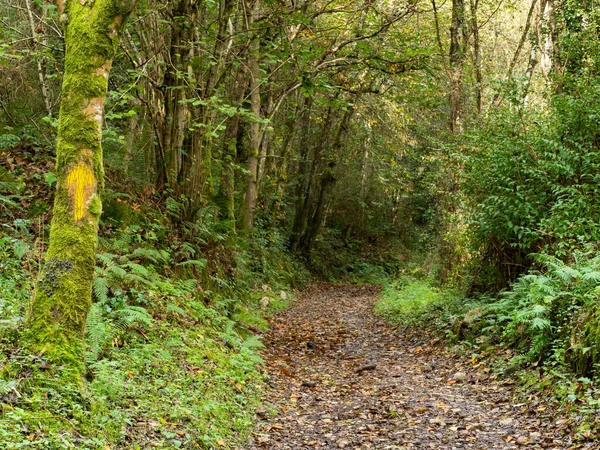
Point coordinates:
[(81, 185)]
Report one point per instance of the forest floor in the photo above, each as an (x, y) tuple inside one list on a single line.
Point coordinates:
[(341, 377)]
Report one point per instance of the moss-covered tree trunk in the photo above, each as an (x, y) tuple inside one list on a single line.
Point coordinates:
[(63, 293)]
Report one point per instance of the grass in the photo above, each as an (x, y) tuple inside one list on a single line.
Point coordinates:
[(410, 302), (415, 302)]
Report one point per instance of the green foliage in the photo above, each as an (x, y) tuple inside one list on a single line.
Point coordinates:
[(106, 323), (9, 187), (16, 258), (532, 182), (156, 354), (548, 315), (410, 301), (265, 260), (358, 261)]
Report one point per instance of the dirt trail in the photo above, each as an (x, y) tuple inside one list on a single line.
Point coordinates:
[(342, 378)]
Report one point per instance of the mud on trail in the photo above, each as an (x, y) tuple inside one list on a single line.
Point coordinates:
[(340, 377)]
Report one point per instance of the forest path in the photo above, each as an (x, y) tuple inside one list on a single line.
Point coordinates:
[(340, 377)]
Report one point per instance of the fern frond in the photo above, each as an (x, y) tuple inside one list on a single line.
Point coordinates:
[(591, 275), (108, 259), (135, 314), (190, 284), (101, 289), (9, 186), (118, 271), (188, 249), (253, 343), (201, 263), (98, 333), (540, 324), (176, 309), (7, 386), (150, 254), (138, 269)]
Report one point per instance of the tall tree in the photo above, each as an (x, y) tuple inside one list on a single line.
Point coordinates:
[(63, 295), (251, 197), (457, 54)]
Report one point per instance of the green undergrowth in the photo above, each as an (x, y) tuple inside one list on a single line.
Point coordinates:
[(415, 301), (548, 317), (172, 348)]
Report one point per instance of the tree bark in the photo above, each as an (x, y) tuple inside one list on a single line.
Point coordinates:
[(456, 64), (281, 169), (533, 53), (251, 196), (316, 220), (230, 148), (517, 54), (302, 180), (474, 5), (38, 60), (546, 39), (63, 293)]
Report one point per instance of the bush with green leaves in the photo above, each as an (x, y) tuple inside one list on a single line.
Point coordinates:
[(165, 349), (550, 314), (532, 181)]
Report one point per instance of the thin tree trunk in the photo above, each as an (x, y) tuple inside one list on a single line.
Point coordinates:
[(314, 227), (515, 59), (302, 181), (533, 54), (456, 64), (363, 172), (282, 169), (265, 142), (326, 185), (230, 147), (132, 135), (174, 126), (253, 154), (546, 39), (306, 202), (474, 4), (63, 293), (38, 61)]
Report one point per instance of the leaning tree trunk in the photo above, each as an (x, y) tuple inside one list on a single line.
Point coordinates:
[(63, 293)]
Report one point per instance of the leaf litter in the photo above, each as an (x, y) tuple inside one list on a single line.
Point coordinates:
[(340, 377)]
